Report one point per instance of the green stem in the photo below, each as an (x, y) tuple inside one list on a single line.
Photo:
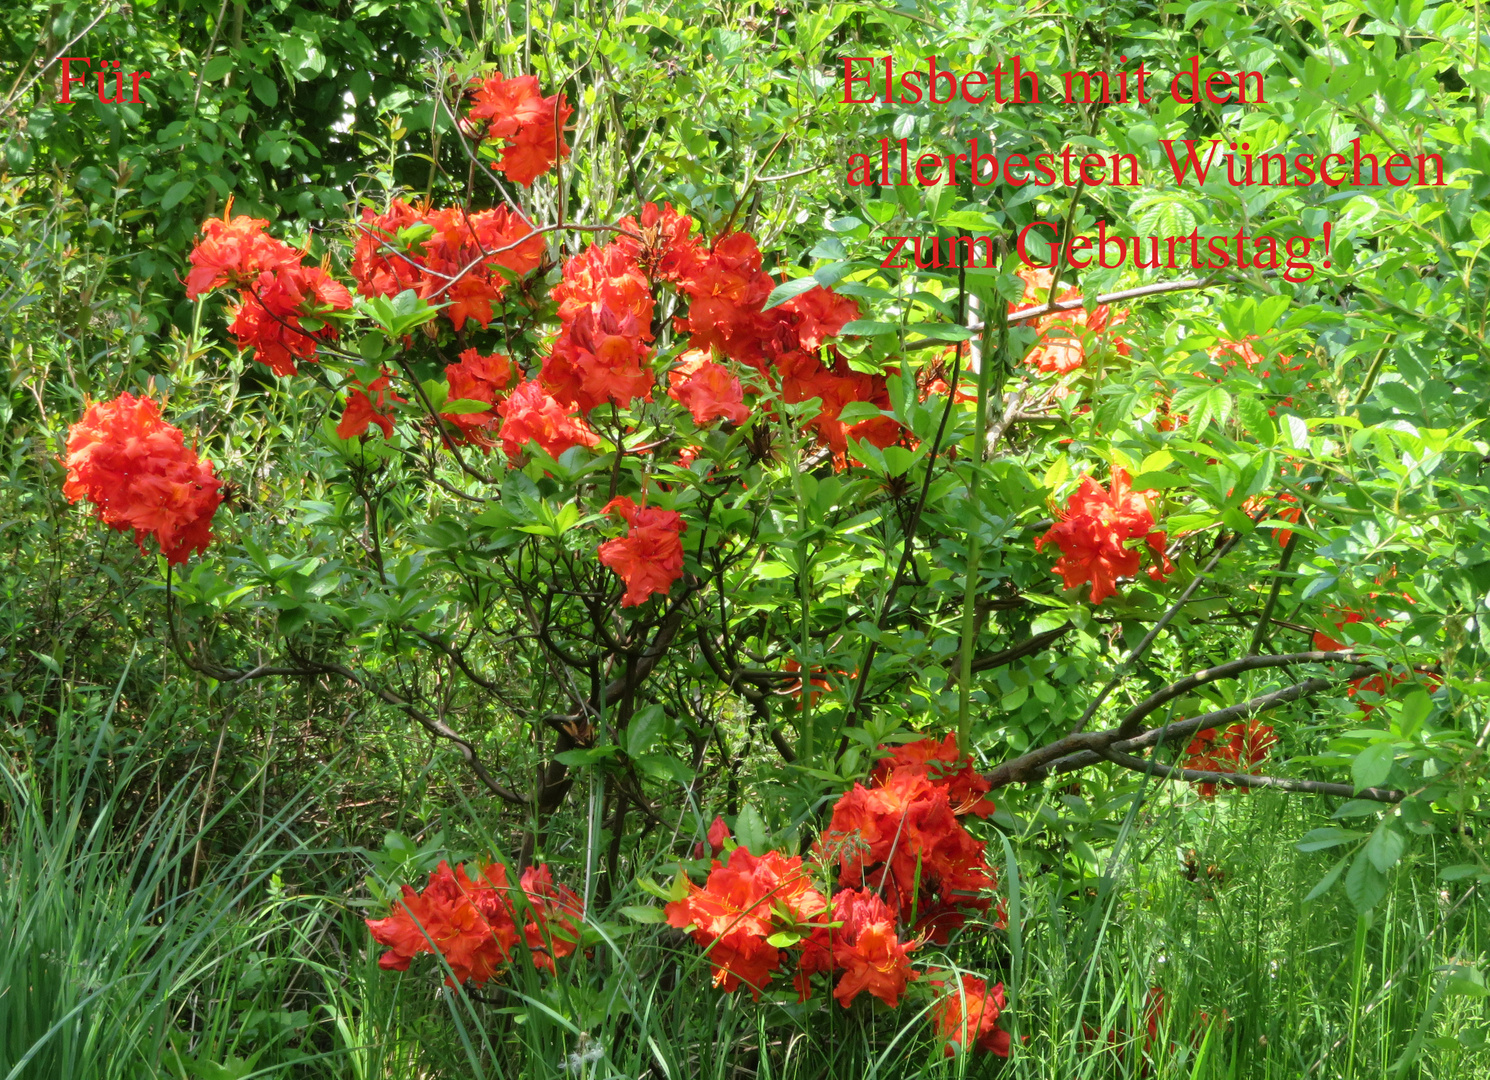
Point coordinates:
[(804, 588), (986, 365)]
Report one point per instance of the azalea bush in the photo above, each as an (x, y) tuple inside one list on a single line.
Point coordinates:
[(791, 612)]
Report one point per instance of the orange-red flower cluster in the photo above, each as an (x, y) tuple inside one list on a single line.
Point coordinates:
[(1094, 532), (605, 305), (530, 125), (1290, 511), (368, 405), (1236, 750), (276, 295), (649, 558), (968, 1015), (727, 293), (1378, 685), (909, 873), (865, 948), (902, 837), (555, 911), (804, 376), (1381, 684), (138, 472), (473, 924), (708, 390), (477, 378), (664, 246), (530, 415), (602, 353), (446, 256), (743, 903), (1064, 335), (940, 763), (1228, 354)]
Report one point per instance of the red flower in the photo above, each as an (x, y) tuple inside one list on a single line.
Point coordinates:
[(739, 907), (235, 251), (138, 472), (1241, 746), (530, 416), (469, 922), (649, 558), (605, 312), (531, 125), (445, 256), (818, 680), (726, 294), (1093, 534), (1325, 643), (1289, 514), (1381, 684), (1229, 353), (667, 250), (1063, 334), (903, 839), (864, 948), (718, 834), (940, 763), (372, 404), (267, 317), (477, 378), (804, 377), (875, 962), (970, 1014), (556, 910), (708, 390)]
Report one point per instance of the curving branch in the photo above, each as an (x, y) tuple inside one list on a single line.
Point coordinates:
[(1085, 748), (1160, 771), (1130, 725)]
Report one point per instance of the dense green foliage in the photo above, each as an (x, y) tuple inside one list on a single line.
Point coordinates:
[(212, 773)]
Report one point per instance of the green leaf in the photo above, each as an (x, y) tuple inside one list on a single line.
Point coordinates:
[(1321, 839), (643, 730), (1416, 708), (783, 939), (175, 193), (644, 913), (265, 90), (1327, 882), (868, 328), (941, 331), (1458, 872), (463, 407), (789, 289), (1385, 847), (217, 67), (1156, 480), (1373, 765), (1466, 981), (1364, 884), (751, 831), (1255, 417), (580, 758)]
